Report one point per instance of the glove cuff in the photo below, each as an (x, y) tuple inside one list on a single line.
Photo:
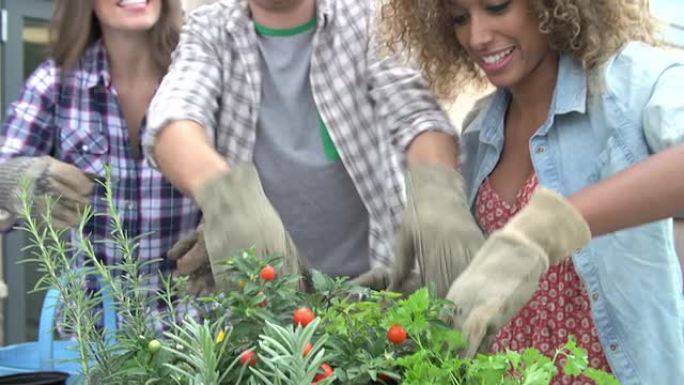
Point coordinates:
[(425, 178), (242, 181), (552, 223)]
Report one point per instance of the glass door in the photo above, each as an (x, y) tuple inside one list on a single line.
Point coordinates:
[(24, 32)]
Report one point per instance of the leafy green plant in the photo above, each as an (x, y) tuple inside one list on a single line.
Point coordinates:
[(264, 329)]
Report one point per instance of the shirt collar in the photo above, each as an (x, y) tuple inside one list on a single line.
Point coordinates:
[(569, 95)]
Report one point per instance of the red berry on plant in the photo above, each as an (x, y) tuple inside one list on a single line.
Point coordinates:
[(397, 334), (303, 316), (268, 273), (327, 372), (248, 357)]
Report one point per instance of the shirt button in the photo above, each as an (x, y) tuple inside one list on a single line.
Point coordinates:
[(541, 149), (84, 147), (613, 347), (595, 297)]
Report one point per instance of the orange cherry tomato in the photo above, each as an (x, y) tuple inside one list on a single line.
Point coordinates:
[(303, 316), (268, 273), (397, 334)]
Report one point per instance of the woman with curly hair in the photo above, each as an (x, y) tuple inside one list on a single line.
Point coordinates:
[(582, 139)]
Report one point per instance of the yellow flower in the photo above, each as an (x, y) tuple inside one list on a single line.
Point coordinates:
[(220, 337)]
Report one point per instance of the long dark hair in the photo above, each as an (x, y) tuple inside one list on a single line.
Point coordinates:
[(72, 17)]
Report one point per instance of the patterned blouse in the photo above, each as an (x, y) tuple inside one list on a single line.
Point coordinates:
[(560, 308)]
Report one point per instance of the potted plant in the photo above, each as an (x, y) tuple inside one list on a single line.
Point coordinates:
[(264, 330)]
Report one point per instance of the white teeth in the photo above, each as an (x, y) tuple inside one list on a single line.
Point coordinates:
[(493, 59), (131, 2)]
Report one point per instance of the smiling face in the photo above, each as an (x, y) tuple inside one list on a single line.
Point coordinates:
[(127, 15), (502, 37)]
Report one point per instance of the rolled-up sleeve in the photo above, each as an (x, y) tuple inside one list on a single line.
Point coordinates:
[(191, 88), (29, 127), (403, 99), (663, 116)]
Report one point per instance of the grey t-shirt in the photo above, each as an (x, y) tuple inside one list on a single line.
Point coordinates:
[(302, 173)]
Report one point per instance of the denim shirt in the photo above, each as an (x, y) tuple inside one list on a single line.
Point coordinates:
[(601, 122)]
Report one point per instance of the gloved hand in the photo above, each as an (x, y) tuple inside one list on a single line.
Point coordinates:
[(506, 271), (438, 230), (237, 215), (379, 279), (69, 186), (192, 260)]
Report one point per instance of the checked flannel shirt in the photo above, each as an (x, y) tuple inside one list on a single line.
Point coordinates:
[(76, 118), (370, 105)]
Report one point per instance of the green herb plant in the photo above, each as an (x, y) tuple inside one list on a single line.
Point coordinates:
[(263, 329)]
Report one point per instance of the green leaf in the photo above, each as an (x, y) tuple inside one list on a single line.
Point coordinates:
[(600, 377)]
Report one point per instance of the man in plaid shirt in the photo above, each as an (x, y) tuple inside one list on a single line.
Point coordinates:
[(283, 122)]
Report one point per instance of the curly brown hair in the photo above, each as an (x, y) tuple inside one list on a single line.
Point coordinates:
[(589, 30)]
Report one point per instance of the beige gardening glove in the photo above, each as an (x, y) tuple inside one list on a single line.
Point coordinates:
[(192, 260), (438, 230), (49, 178), (379, 279), (237, 216), (506, 271)]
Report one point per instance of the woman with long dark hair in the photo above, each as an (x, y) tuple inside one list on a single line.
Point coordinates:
[(83, 110)]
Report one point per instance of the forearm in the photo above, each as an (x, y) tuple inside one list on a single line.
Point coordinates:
[(186, 157), (651, 190), (433, 147)]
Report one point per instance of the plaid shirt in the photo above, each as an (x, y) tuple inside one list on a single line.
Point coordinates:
[(76, 118), (368, 103)]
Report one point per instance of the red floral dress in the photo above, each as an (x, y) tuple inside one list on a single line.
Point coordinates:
[(560, 307)]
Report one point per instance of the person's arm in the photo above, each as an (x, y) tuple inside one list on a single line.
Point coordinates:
[(403, 101), (650, 190), (26, 155), (433, 147), (437, 231), (182, 117), (27, 118), (506, 271), (186, 157), (28, 128)]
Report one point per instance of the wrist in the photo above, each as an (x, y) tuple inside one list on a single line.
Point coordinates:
[(433, 148), (206, 175), (550, 221)]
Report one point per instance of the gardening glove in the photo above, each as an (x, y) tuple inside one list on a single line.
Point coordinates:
[(63, 183), (506, 271), (438, 229), (379, 279), (237, 216), (192, 260)]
